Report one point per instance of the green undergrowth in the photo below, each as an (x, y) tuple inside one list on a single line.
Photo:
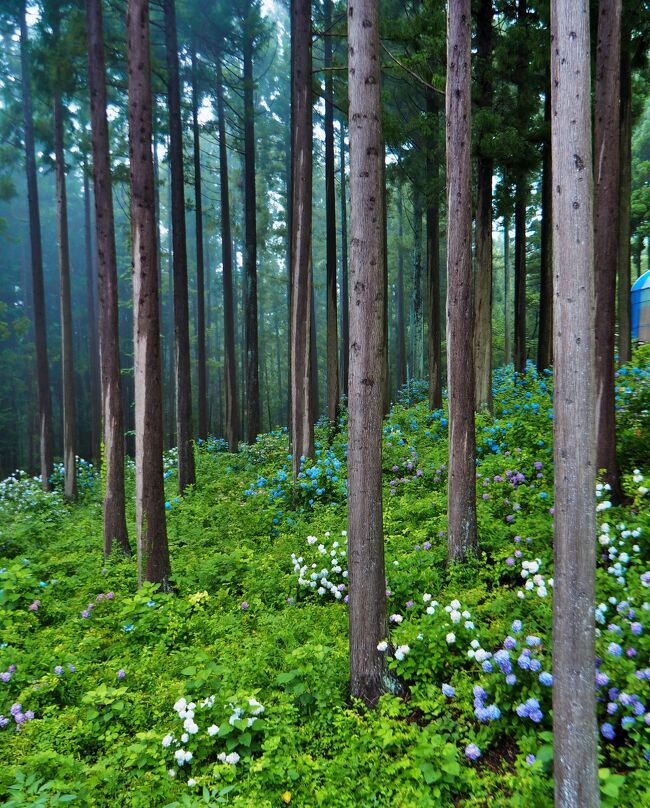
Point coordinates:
[(108, 674)]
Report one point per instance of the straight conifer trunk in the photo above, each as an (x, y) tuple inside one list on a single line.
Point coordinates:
[(624, 268), (483, 287), (520, 275), (93, 350), (202, 372), (507, 339), (433, 277), (114, 519), (416, 336), (38, 288), (230, 366), (606, 218), (330, 211), (153, 552), (345, 296), (461, 536), (367, 595), (67, 366), (186, 469), (545, 339), (250, 252), (399, 293), (574, 695), (301, 420)]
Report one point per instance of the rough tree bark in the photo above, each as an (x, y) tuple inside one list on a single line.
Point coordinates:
[(202, 371), (461, 535), (301, 420), (38, 289), (606, 218), (250, 252), (433, 270), (153, 552), (521, 193), (624, 268), (399, 294), (229, 365), (367, 603), (67, 360), (574, 695), (545, 339), (114, 519), (330, 211), (93, 349), (507, 338), (416, 336), (345, 297), (186, 468), (484, 169)]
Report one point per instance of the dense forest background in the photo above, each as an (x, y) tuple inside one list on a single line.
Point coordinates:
[(511, 130)]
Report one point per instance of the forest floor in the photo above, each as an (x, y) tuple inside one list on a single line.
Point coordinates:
[(234, 690)]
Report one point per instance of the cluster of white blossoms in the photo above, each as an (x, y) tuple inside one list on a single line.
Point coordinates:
[(637, 478), (535, 581), (328, 573)]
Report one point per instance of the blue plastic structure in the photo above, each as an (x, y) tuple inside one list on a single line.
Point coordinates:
[(641, 308)]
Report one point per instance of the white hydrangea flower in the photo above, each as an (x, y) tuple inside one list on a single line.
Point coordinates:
[(167, 740), (212, 730), (382, 646), (401, 652), (451, 637)]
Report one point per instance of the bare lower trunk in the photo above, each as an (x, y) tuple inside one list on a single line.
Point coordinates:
[(38, 289), (399, 297), (606, 217), (153, 553), (67, 366), (507, 338), (433, 295), (301, 417), (345, 323), (202, 371), (93, 349), (545, 339), (624, 269), (574, 705), (230, 366), (186, 468), (483, 283), (416, 336), (367, 609), (330, 210), (250, 284), (462, 536), (109, 345), (520, 276)]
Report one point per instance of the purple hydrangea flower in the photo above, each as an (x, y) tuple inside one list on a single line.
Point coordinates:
[(472, 751), (244, 605), (517, 626), (509, 643), (448, 691), (607, 731), (511, 679), (546, 679), (121, 674), (58, 670), (530, 759), (614, 649)]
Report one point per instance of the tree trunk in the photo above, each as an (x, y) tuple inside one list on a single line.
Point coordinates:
[(301, 420), (67, 361), (330, 210), (401, 331), (545, 339), (38, 288), (250, 252), (229, 364), (606, 217), (574, 705), (367, 599), (313, 356), (462, 536), (153, 553), (521, 194), (507, 339), (485, 167), (109, 341), (624, 268), (345, 296), (433, 272), (416, 336), (202, 371), (186, 469), (93, 350)]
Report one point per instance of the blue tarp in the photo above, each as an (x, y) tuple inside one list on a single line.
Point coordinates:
[(641, 308)]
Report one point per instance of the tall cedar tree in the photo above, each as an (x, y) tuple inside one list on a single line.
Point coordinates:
[(521, 200), (65, 299), (201, 374), (230, 364), (250, 228), (91, 319), (109, 341), (345, 309), (624, 268), (399, 291), (433, 267), (545, 338), (38, 288), (153, 552), (301, 417), (484, 168), (186, 469), (606, 213), (462, 536), (330, 238), (367, 605), (574, 698)]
